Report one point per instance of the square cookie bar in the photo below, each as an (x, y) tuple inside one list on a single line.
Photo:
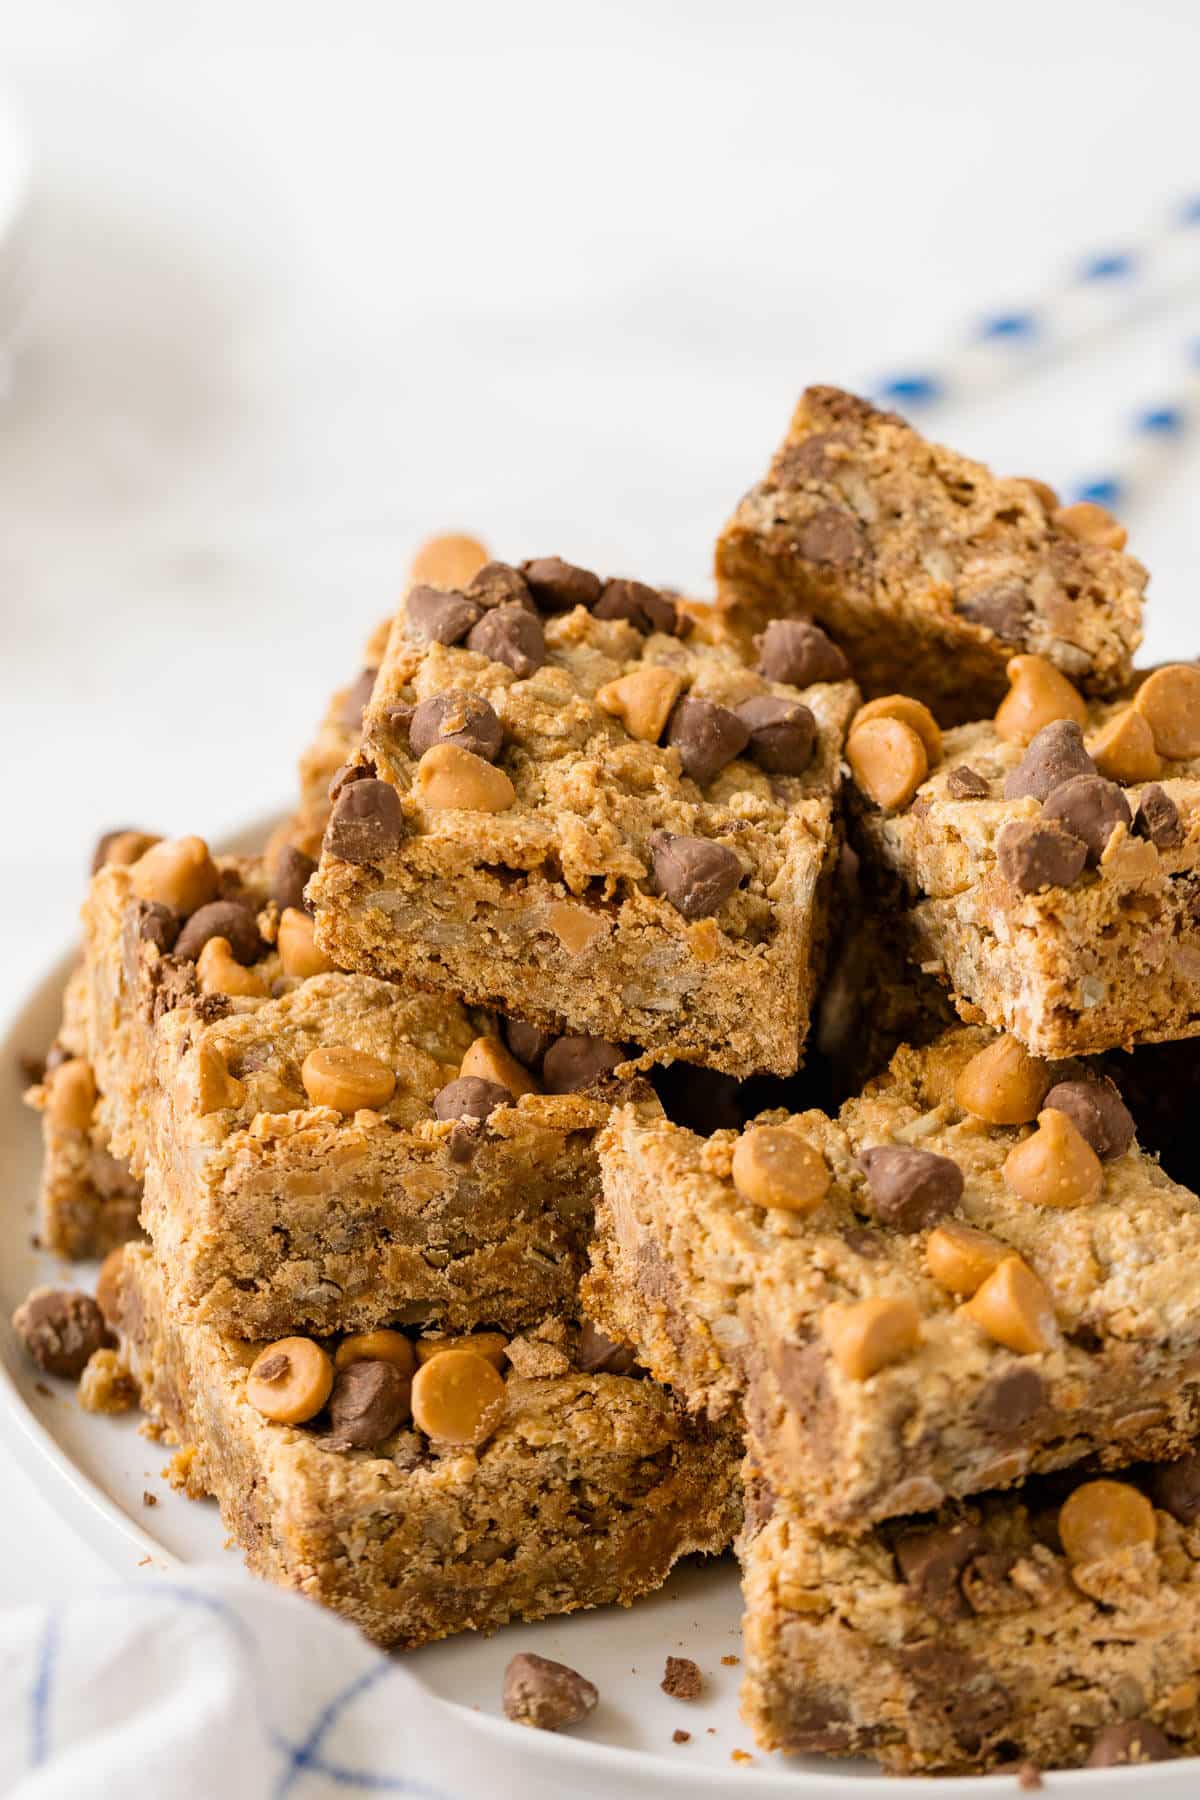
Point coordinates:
[(88, 1200), (928, 570), (568, 810), (930, 1297), (324, 1150), (1051, 857), (1059, 1625), (504, 1499)]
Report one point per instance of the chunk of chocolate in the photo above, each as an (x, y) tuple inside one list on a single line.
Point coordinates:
[(1157, 819), (439, 616), (1054, 754), (366, 823), (60, 1328), (963, 783), (370, 1399), (1098, 1113), (911, 1189), (545, 1694), (706, 735), (557, 586), (1033, 857), (644, 607), (694, 874), (783, 733), (470, 1097), (291, 872), (232, 920), (511, 635), (1090, 808), (455, 717), (799, 652), (573, 1063)]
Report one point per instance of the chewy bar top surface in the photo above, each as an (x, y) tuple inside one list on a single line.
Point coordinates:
[(285, 1189), (587, 1492), (88, 1199), (1056, 882), (927, 569), (917, 1302), (562, 816), (1058, 1626)]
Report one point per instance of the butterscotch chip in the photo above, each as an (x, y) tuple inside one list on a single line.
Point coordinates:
[(960, 1257), (380, 1345), (216, 1088), (1124, 750), (290, 1381), (1092, 524), (1103, 1517), (888, 760), (449, 561), (1056, 1166), (491, 1345), (1038, 695), (178, 873), (219, 972), (773, 1166), (458, 1398), (297, 946), (1003, 1084), (71, 1094), (866, 1335), (346, 1079), (488, 1059), (575, 927), (910, 712), (449, 777), (642, 700), (1169, 701), (1013, 1306)]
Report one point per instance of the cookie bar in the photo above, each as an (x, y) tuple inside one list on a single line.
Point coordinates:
[(1051, 856), (929, 571), (1058, 1626), (320, 1149), (549, 1493), (88, 1199), (565, 809), (930, 1297)]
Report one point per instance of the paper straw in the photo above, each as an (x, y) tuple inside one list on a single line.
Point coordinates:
[(1152, 436), (1100, 291)]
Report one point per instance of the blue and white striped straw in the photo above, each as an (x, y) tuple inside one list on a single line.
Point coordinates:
[(1151, 437), (1101, 291)]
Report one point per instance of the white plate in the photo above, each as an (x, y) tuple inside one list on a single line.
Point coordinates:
[(94, 1471)]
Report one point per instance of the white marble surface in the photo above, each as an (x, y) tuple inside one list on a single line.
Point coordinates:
[(312, 283)]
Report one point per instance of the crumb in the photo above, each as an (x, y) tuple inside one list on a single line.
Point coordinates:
[(731, 1661), (47, 1393), (149, 1499), (681, 1737), (1029, 1777), (144, 1560), (681, 1678), (740, 1756), (712, 1731), (106, 1386)]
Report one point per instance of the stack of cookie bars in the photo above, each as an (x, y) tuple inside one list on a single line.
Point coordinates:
[(679, 1074)]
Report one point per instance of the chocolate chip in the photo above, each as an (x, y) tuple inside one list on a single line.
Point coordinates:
[(707, 737), (366, 823), (1129, 1741), (682, 1678), (546, 1694), (964, 784), (598, 1355), (694, 874), (1033, 856), (454, 717), (931, 1562), (369, 1400), (346, 773), (974, 1705), (528, 1043), (573, 1063), (557, 586), (510, 635), (1003, 608), (808, 460), (355, 701), (470, 1097), (799, 652), (1054, 754), (1010, 1399), (60, 1328), (158, 924), (1090, 808), (644, 607), (1157, 818), (499, 583), (1176, 1488), (783, 733), (832, 536), (911, 1188), (230, 919), (1097, 1111), (290, 875), (436, 616)]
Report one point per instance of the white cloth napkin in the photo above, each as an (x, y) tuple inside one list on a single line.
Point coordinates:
[(208, 1687)]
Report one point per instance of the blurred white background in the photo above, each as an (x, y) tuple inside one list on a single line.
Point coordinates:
[(309, 283)]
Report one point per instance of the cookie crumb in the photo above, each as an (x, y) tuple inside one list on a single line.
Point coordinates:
[(47, 1393), (740, 1756), (731, 1661), (149, 1499), (1029, 1777), (681, 1737), (681, 1678)]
